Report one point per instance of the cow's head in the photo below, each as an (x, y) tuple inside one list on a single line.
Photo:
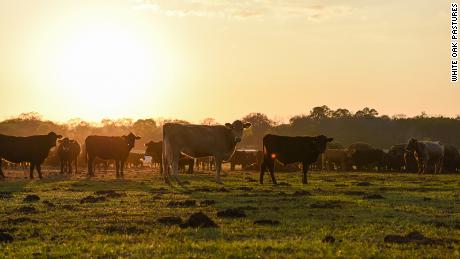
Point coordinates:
[(237, 128), (52, 137), (153, 147), (130, 139), (320, 142), (65, 144), (412, 144)]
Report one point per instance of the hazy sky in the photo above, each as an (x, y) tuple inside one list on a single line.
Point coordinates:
[(192, 59)]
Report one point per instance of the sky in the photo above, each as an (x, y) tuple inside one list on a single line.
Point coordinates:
[(193, 59)]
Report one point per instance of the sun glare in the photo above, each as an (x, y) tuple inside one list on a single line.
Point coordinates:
[(108, 67)]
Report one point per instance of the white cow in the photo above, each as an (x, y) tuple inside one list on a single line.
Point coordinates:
[(427, 153)]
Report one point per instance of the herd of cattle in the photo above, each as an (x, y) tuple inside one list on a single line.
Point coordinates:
[(195, 146)]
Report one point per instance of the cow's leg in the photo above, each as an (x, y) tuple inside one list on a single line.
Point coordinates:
[(304, 172), (90, 166), (117, 168), (218, 169), (76, 165), (440, 165), (62, 166), (122, 163), (1, 171), (232, 166), (70, 166), (263, 168), (39, 170), (271, 169), (32, 166), (191, 163)]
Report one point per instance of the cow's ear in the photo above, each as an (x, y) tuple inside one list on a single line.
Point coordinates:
[(228, 125), (59, 136), (247, 125), (330, 139), (138, 137)]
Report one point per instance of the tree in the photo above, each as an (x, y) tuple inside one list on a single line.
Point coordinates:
[(367, 113), (320, 112)]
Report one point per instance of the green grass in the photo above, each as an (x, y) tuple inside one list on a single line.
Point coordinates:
[(127, 226)]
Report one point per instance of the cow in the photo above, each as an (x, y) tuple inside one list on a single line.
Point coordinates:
[(367, 159), (32, 149), (394, 159), (451, 158), (427, 153), (410, 163), (154, 150), (290, 150), (195, 141), (246, 158), (68, 151), (335, 157), (115, 148), (134, 160)]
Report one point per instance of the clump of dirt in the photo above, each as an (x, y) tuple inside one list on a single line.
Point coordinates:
[(110, 193), (231, 213), (198, 220), (250, 180), (328, 239), (363, 184), (426, 199), (182, 204), (326, 205), (5, 237), (204, 203), (31, 198), (374, 197), (27, 210), (170, 220), (301, 193), (355, 193), (245, 188), (123, 229), (267, 222), (6, 195), (49, 204), (418, 238), (21, 220), (92, 199), (69, 207), (223, 189)]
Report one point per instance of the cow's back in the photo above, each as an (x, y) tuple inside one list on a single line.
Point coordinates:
[(24, 149), (290, 149)]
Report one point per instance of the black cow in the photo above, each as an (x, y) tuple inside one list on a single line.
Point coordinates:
[(247, 158), (134, 160), (68, 152), (32, 149), (290, 150), (451, 158), (154, 150), (368, 159), (394, 159), (113, 148)]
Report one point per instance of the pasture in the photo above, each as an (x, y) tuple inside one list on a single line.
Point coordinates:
[(337, 214)]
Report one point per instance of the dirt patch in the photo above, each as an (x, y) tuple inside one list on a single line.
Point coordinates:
[(250, 180), (31, 198), (182, 204), (5, 237), (328, 239), (426, 199), (418, 238), (204, 203), (21, 220), (223, 189), (355, 193), (110, 193), (373, 197), (171, 220), (92, 199), (27, 210), (266, 222), (123, 230), (245, 188), (69, 207), (301, 193), (48, 204), (198, 220), (231, 213), (363, 184), (6, 195), (326, 205)]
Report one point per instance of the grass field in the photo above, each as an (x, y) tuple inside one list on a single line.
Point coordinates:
[(336, 214)]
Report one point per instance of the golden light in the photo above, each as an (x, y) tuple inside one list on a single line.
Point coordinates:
[(109, 66)]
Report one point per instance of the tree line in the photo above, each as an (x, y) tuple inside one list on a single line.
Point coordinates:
[(365, 125)]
